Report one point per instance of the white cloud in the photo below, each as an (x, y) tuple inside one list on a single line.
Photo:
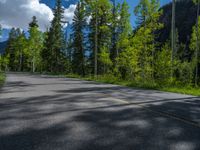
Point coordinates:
[(69, 13), (19, 13), (88, 19)]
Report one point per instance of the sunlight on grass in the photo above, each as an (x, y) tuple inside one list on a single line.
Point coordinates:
[(2, 78), (109, 79)]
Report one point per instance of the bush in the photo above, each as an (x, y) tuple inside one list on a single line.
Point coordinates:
[(2, 78), (185, 73)]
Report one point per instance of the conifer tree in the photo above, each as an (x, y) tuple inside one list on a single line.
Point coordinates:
[(124, 27), (54, 43), (197, 41), (100, 33), (92, 11), (78, 26), (34, 22), (115, 30), (148, 14), (124, 32), (194, 46), (13, 48)]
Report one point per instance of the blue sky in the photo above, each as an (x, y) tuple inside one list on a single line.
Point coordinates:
[(18, 13), (132, 4)]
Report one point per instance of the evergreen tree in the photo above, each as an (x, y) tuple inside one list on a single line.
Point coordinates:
[(197, 41), (54, 43), (194, 47), (12, 48), (70, 49), (124, 27), (92, 11), (163, 65), (115, 31), (100, 33), (78, 26), (148, 14), (46, 53), (34, 22)]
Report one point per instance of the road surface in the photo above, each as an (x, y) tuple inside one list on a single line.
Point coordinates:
[(49, 113)]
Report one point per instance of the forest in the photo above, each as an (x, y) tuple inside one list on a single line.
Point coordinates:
[(103, 44)]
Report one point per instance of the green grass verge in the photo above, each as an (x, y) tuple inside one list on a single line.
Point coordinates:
[(188, 90), (183, 90), (2, 78)]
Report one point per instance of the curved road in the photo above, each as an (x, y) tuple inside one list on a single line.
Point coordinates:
[(49, 113)]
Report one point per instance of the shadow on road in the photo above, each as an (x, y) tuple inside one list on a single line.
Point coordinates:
[(57, 122), (88, 116)]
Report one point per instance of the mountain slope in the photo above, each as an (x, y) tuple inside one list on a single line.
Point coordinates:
[(185, 20)]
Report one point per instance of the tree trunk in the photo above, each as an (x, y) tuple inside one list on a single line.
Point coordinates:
[(197, 44), (173, 36), (96, 41)]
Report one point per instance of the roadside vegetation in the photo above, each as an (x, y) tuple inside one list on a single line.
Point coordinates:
[(109, 79), (2, 78), (102, 46)]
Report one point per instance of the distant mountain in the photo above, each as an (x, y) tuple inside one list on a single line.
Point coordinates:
[(3, 47), (185, 20)]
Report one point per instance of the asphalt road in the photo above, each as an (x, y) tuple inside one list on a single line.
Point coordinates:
[(48, 113)]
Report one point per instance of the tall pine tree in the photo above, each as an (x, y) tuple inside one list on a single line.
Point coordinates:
[(54, 44), (78, 26)]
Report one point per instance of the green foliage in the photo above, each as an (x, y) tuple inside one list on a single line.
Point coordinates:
[(193, 41), (195, 1), (100, 27), (163, 65), (3, 63), (53, 51), (16, 50), (148, 14), (124, 28), (104, 58), (35, 45), (2, 78), (34, 22), (186, 73), (78, 26), (102, 33)]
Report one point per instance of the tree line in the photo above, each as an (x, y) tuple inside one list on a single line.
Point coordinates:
[(103, 42)]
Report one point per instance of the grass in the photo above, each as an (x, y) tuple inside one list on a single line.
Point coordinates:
[(2, 78), (188, 90), (143, 85), (183, 90)]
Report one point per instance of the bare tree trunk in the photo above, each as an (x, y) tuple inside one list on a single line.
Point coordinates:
[(96, 42), (114, 16), (173, 36), (197, 44), (20, 61), (143, 64), (33, 65)]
